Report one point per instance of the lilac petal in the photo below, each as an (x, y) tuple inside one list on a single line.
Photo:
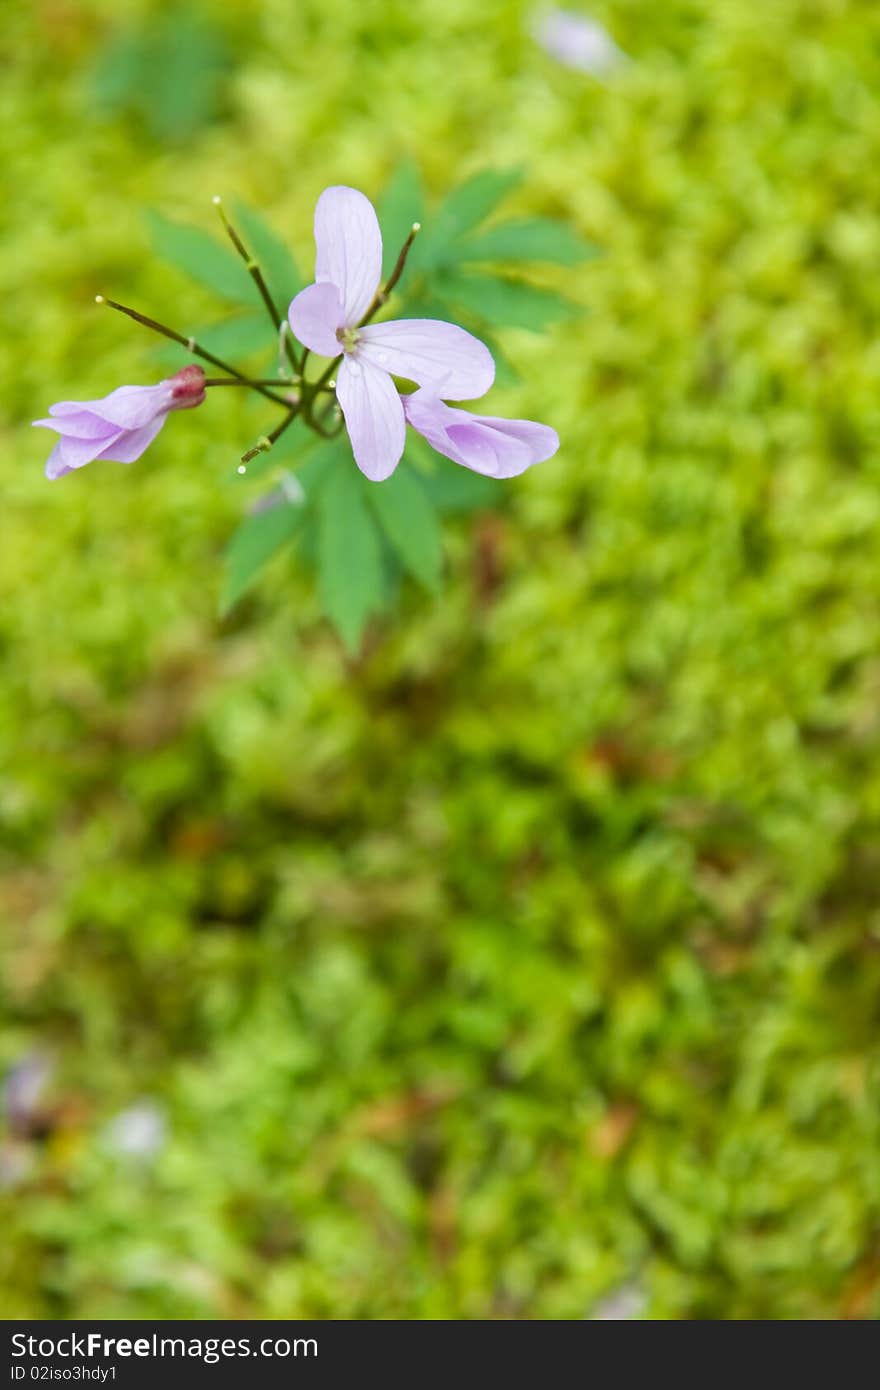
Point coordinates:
[(55, 465), (442, 356), (487, 444), (127, 447), (83, 425), (315, 315), (76, 453), (349, 248), (128, 407), (373, 417)]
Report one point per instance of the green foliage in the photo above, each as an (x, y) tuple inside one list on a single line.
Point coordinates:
[(350, 581), (273, 255), (528, 239), (406, 509), (439, 280), (402, 204), (256, 541), (406, 513), (529, 960), (169, 74), (202, 257)]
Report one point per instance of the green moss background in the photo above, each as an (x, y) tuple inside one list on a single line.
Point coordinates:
[(533, 960)]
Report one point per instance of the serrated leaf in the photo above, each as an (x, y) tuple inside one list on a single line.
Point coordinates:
[(465, 208), (532, 239), (505, 303), (409, 520), (259, 537), (402, 204), (276, 261), (350, 578), (202, 258)]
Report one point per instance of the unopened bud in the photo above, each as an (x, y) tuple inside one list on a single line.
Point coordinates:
[(187, 387)]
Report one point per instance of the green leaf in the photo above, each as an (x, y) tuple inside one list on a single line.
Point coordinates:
[(350, 577), (119, 71), (409, 520), (402, 204), (464, 209), (457, 490), (170, 74), (532, 239), (202, 258), (259, 537), (187, 66), (319, 462), (505, 303), (243, 336), (276, 262), (238, 337), (470, 204)]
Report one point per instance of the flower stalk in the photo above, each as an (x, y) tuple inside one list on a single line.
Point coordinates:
[(254, 269), (382, 296), (190, 344)]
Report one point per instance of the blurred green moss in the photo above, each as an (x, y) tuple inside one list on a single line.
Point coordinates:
[(536, 956)]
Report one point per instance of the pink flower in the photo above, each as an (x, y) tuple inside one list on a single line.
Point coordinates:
[(119, 426), (495, 447), (326, 317)]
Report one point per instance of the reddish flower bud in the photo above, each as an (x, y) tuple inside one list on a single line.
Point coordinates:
[(187, 387)]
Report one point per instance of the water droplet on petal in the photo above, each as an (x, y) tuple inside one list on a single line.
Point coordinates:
[(354, 369), (382, 357)]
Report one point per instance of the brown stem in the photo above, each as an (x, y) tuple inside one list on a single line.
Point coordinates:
[(255, 271), (384, 294), (243, 381), (264, 444), (190, 344)]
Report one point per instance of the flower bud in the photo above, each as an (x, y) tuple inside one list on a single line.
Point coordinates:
[(187, 387)]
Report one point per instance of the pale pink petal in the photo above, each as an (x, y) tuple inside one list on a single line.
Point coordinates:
[(82, 425), (373, 417), (487, 444), (55, 465), (315, 315), (442, 356), (76, 453), (118, 426), (128, 407), (349, 249), (129, 446)]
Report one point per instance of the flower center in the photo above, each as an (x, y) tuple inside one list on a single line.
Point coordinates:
[(348, 337)]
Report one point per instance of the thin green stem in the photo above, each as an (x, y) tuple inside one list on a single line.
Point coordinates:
[(255, 271), (191, 346), (383, 295), (243, 381), (264, 444)]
